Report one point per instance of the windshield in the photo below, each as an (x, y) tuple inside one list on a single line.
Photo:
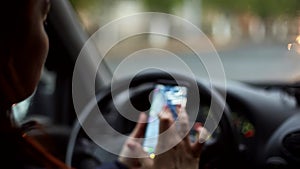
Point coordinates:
[(256, 41)]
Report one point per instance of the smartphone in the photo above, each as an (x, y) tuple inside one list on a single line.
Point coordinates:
[(162, 95)]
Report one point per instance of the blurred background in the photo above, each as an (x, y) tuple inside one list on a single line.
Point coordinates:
[(257, 41)]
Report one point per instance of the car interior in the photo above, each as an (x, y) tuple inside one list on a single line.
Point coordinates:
[(259, 126)]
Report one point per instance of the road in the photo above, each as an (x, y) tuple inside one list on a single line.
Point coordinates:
[(250, 62)]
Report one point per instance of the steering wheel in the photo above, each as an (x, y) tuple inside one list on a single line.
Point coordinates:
[(221, 151)]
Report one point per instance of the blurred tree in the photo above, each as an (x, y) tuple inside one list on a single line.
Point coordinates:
[(83, 4), (161, 5), (262, 8), (275, 8)]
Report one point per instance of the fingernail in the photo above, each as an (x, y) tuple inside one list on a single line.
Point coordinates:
[(204, 135), (142, 118), (131, 146)]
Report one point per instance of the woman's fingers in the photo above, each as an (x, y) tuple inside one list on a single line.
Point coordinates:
[(203, 136), (183, 124), (132, 154), (139, 129), (167, 133), (165, 120), (135, 156), (141, 155)]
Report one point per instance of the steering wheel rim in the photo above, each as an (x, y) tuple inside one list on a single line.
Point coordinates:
[(162, 77)]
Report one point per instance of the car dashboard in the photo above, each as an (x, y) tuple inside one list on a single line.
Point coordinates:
[(264, 118), (265, 121)]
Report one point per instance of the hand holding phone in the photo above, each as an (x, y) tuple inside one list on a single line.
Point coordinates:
[(163, 95)]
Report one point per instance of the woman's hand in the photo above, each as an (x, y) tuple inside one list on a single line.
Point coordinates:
[(133, 145), (184, 155)]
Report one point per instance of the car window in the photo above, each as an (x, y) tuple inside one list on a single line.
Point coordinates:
[(257, 41)]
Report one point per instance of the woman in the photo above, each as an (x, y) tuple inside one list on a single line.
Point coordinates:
[(24, 47)]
